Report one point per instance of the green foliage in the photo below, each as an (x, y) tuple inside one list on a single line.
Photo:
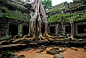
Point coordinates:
[(1, 13), (83, 1), (68, 7), (46, 4), (3, 8), (19, 57), (7, 38), (17, 15), (13, 4), (80, 15), (55, 9), (55, 56), (14, 14), (16, 5), (6, 54), (53, 18)]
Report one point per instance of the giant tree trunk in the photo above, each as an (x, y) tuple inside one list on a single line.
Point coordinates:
[(40, 16)]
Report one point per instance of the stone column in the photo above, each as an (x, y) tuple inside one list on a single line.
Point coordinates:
[(72, 29), (6, 29), (57, 29), (20, 29)]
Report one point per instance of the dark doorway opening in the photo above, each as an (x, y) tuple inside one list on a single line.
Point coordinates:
[(13, 29), (52, 29), (25, 30), (81, 28), (67, 29), (43, 29)]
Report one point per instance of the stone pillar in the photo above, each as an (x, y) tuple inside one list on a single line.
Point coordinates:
[(7, 29), (57, 29), (20, 29), (72, 29)]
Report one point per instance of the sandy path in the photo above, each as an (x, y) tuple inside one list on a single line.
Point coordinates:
[(67, 54)]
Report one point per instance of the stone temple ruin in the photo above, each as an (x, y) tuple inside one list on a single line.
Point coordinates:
[(66, 23)]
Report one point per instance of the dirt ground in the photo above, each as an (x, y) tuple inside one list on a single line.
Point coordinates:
[(67, 54)]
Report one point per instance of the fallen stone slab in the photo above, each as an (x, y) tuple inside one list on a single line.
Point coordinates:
[(60, 50), (55, 48), (74, 48), (58, 56), (62, 36), (64, 49), (41, 50), (66, 39), (52, 51), (84, 50), (43, 47)]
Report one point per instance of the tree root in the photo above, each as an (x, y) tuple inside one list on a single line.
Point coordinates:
[(15, 36), (41, 37), (26, 35)]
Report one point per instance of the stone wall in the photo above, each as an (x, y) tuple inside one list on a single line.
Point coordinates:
[(57, 28), (5, 30), (76, 28)]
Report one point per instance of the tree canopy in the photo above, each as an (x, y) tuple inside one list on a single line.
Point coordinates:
[(46, 4)]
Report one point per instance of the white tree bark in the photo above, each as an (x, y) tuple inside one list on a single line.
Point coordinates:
[(39, 15)]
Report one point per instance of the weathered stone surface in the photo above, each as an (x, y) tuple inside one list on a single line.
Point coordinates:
[(60, 50), (29, 48), (74, 48), (66, 38), (53, 51), (58, 56), (13, 54), (84, 47), (64, 49), (55, 48), (84, 50), (43, 47), (12, 45), (62, 36), (41, 50)]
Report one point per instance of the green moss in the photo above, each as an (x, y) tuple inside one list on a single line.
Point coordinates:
[(1, 13), (17, 15), (17, 5), (77, 16), (14, 14), (6, 38)]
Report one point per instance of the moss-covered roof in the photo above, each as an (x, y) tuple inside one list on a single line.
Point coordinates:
[(17, 15), (67, 16), (7, 2)]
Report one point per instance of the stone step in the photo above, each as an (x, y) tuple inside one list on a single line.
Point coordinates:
[(11, 45)]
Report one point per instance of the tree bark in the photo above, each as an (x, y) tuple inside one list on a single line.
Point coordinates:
[(40, 16)]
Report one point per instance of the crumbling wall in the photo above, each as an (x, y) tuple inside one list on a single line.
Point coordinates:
[(54, 28), (77, 24)]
